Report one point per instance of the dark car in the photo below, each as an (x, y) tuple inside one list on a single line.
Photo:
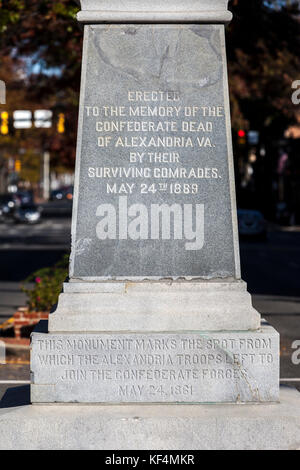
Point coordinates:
[(8, 203), (65, 193), (252, 224), (25, 197), (27, 214)]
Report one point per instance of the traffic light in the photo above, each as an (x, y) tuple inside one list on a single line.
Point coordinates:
[(61, 123), (18, 166), (4, 128), (241, 137)]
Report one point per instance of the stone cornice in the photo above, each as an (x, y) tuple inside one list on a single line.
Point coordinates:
[(154, 11)]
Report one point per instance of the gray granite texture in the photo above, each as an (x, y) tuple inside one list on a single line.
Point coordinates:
[(154, 190), (195, 367)]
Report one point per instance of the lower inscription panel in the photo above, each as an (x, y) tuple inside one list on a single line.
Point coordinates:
[(194, 367)]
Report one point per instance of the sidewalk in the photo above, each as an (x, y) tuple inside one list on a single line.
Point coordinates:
[(276, 305)]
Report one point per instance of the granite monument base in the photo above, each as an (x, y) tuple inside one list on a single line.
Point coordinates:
[(166, 367), (165, 427)]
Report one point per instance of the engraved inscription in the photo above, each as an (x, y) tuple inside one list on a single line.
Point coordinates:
[(153, 367), (154, 156)]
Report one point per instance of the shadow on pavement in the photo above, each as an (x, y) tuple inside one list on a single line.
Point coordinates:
[(16, 396)]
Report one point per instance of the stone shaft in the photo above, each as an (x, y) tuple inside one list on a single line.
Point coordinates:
[(154, 188)]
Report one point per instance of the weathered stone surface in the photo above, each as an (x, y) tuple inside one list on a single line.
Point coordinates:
[(195, 367), (154, 194), (154, 306), (139, 427)]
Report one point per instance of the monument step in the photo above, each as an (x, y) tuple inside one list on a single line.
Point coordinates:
[(154, 306), (166, 427)]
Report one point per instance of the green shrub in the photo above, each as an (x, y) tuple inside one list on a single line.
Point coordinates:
[(47, 283)]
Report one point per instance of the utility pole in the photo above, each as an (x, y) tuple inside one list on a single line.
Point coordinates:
[(46, 176)]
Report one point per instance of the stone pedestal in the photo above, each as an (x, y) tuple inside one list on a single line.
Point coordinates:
[(155, 310)]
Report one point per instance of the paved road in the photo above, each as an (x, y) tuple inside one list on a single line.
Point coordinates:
[(24, 249), (50, 232)]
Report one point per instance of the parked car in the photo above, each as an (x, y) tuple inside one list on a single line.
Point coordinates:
[(25, 197), (65, 193), (8, 203), (252, 224), (27, 214)]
